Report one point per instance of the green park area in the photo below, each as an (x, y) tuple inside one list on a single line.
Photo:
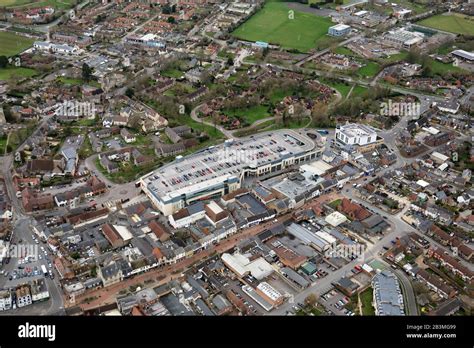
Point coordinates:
[(249, 115)]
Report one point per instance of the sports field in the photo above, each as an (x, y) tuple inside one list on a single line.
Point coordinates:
[(6, 73), (273, 24), (454, 23), (6, 3), (58, 4), (11, 44)]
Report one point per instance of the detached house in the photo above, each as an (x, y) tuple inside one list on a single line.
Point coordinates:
[(127, 136)]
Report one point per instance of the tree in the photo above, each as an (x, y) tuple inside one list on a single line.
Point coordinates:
[(311, 300), (171, 20), (129, 92), (230, 61), (3, 62), (86, 72), (166, 9)]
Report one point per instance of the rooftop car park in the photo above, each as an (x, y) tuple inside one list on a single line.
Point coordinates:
[(210, 168)]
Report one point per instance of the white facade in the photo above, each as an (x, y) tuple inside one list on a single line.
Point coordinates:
[(24, 300), (355, 134), (5, 300), (339, 30), (56, 48)]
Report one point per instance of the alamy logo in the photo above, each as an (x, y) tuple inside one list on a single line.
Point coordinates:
[(400, 109), (249, 157), (37, 331), (76, 109), (353, 251), (20, 251)]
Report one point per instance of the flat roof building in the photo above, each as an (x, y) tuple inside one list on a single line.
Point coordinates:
[(404, 38), (242, 266), (309, 237), (355, 134), (269, 293), (388, 298), (218, 170), (339, 30), (465, 55)]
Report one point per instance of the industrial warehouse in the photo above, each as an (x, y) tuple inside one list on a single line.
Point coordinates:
[(219, 170)]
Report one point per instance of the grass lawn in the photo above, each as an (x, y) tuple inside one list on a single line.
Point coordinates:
[(179, 89), (225, 54), (128, 172), (272, 125), (278, 94), (366, 299), (212, 132), (3, 143), (441, 68), (358, 90), (6, 73), (291, 124), (250, 115), (345, 51), (16, 137), (453, 23), (334, 204), (172, 73), (6, 3), (12, 44), (76, 82), (395, 58), (369, 70), (57, 4), (341, 87), (271, 24)]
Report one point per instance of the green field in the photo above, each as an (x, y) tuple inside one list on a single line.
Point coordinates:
[(441, 68), (345, 51), (369, 70), (172, 73), (250, 115), (6, 73), (12, 44), (272, 24), (358, 91), (453, 23), (366, 299), (7, 3), (76, 82), (58, 4), (395, 58), (341, 87)]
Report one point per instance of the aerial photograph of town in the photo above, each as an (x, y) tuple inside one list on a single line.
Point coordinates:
[(308, 158)]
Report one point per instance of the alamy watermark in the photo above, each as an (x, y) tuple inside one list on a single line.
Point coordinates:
[(19, 251), (353, 251), (247, 156), (76, 109), (392, 108)]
